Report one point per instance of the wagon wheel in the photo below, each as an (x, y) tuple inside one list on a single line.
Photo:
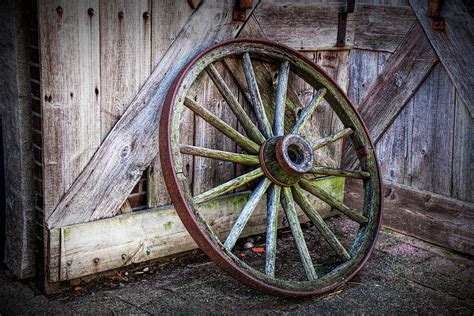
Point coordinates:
[(280, 161)]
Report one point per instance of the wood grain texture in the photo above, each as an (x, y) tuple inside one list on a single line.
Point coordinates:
[(209, 173), (125, 47), (116, 167), (150, 234), (70, 73), (381, 27), (167, 19), (303, 25), (463, 153), (425, 215), (405, 70), (432, 134), (454, 45)]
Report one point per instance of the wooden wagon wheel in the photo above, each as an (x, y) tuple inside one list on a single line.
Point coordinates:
[(280, 160)]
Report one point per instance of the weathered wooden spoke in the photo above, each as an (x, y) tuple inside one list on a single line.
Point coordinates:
[(273, 200), (282, 161), (252, 131), (228, 186), (327, 198), (243, 159), (255, 97), (279, 121), (309, 109), (339, 172), (331, 139), (291, 215), (244, 216), (222, 126), (319, 223)]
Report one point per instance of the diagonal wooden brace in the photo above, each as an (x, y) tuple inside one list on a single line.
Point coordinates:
[(133, 142)]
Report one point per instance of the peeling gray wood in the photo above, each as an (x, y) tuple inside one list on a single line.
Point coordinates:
[(454, 45), (133, 142), (70, 75)]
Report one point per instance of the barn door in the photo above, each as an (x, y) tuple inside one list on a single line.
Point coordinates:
[(105, 202)]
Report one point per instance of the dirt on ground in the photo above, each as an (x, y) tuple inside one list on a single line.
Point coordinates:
[(403, 276)]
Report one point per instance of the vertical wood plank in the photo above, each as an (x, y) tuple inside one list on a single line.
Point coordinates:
[(463, 153), (70, 72), (209, 173), (125, 48), (168, 18), (432, 140), (336, 65)]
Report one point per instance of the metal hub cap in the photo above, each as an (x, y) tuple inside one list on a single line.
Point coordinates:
[(285, 159)]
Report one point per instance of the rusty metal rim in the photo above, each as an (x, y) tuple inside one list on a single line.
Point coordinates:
[(187, 215)]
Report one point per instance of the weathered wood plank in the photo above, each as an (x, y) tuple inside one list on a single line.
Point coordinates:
[(428, 216), (296, 23), (209, 173), (118, 164), (125, 47), (454, 45), (19, 214), (70, 74), (405, 70), (381, 28), (463, 153), (167, 19), (432, 134), (150, 234)]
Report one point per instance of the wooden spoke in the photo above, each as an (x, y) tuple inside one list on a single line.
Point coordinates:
[(330, 139), (255, 97), (247, 124), (339, 172), (279, 123), (246, 160), (327, 198), (318, 222), (291, 215), (228, 186), (273, 200), (308, 111), (244, 216), (247, 144)]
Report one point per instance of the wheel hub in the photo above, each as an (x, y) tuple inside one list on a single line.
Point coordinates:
[(285, 159)]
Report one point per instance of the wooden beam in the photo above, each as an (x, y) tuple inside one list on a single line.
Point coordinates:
[(454, 45), (381, 27), (425, 215), (289, 22), (133, 142), (145, 235), (404, 72)]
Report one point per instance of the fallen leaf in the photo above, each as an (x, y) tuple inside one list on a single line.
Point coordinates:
[(77, 289), (258, 249), (171, 289)]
